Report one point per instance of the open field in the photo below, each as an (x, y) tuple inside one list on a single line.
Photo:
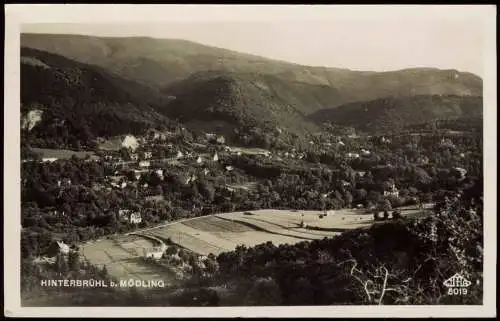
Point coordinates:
[(223, 232), (60, 153), (248, 150), (110, 144), (122, 257), (220, 233)]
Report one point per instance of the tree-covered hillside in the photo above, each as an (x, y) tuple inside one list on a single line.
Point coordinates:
[(391, 113), (79, 102)]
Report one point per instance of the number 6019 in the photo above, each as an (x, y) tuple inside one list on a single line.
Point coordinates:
[(457, 291)]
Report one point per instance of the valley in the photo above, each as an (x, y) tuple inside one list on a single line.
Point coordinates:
[(231, 177)]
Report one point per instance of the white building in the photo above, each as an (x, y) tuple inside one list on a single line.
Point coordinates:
[(49, 159), (144, 164), (130, 142), (154, 252), (221, 140), (135, 218), (190, 179), (123, 213), (129, 216), (392, 191), (159, 172), (148, 155), (385, 140), (180, 154), (215, 158), (63, 248), (352, 155), (199, 160), (210, 136)]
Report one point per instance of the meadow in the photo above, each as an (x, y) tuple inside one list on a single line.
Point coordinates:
[(60, 153), (224, 232), (122, 256), (220, 233)]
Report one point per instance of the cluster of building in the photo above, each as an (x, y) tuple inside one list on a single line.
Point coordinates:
[(392, 191), (130, 216)]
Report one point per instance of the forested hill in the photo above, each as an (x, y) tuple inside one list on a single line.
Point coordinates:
[(78, 102), (247, 99), (160, 62), (392, 113)]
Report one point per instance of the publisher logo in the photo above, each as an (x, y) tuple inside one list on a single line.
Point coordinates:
[(457, 285)]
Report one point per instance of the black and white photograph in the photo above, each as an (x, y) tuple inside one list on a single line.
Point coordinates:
[(316, 158)]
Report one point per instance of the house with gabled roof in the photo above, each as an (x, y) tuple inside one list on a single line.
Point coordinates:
[(392, 191), (135, 218), (58, 247), (155, 252)]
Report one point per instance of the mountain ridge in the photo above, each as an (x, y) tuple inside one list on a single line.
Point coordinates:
[(258, 56), (185, 81), (159, 62)]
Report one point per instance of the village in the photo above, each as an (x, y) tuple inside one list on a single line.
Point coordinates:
[(137, 160)]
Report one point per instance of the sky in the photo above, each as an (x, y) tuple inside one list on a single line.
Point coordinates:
[(390, 40)]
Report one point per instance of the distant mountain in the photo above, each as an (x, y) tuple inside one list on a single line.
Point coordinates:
[(140, 81), (64, 102), (160, 62), (392, 113)]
